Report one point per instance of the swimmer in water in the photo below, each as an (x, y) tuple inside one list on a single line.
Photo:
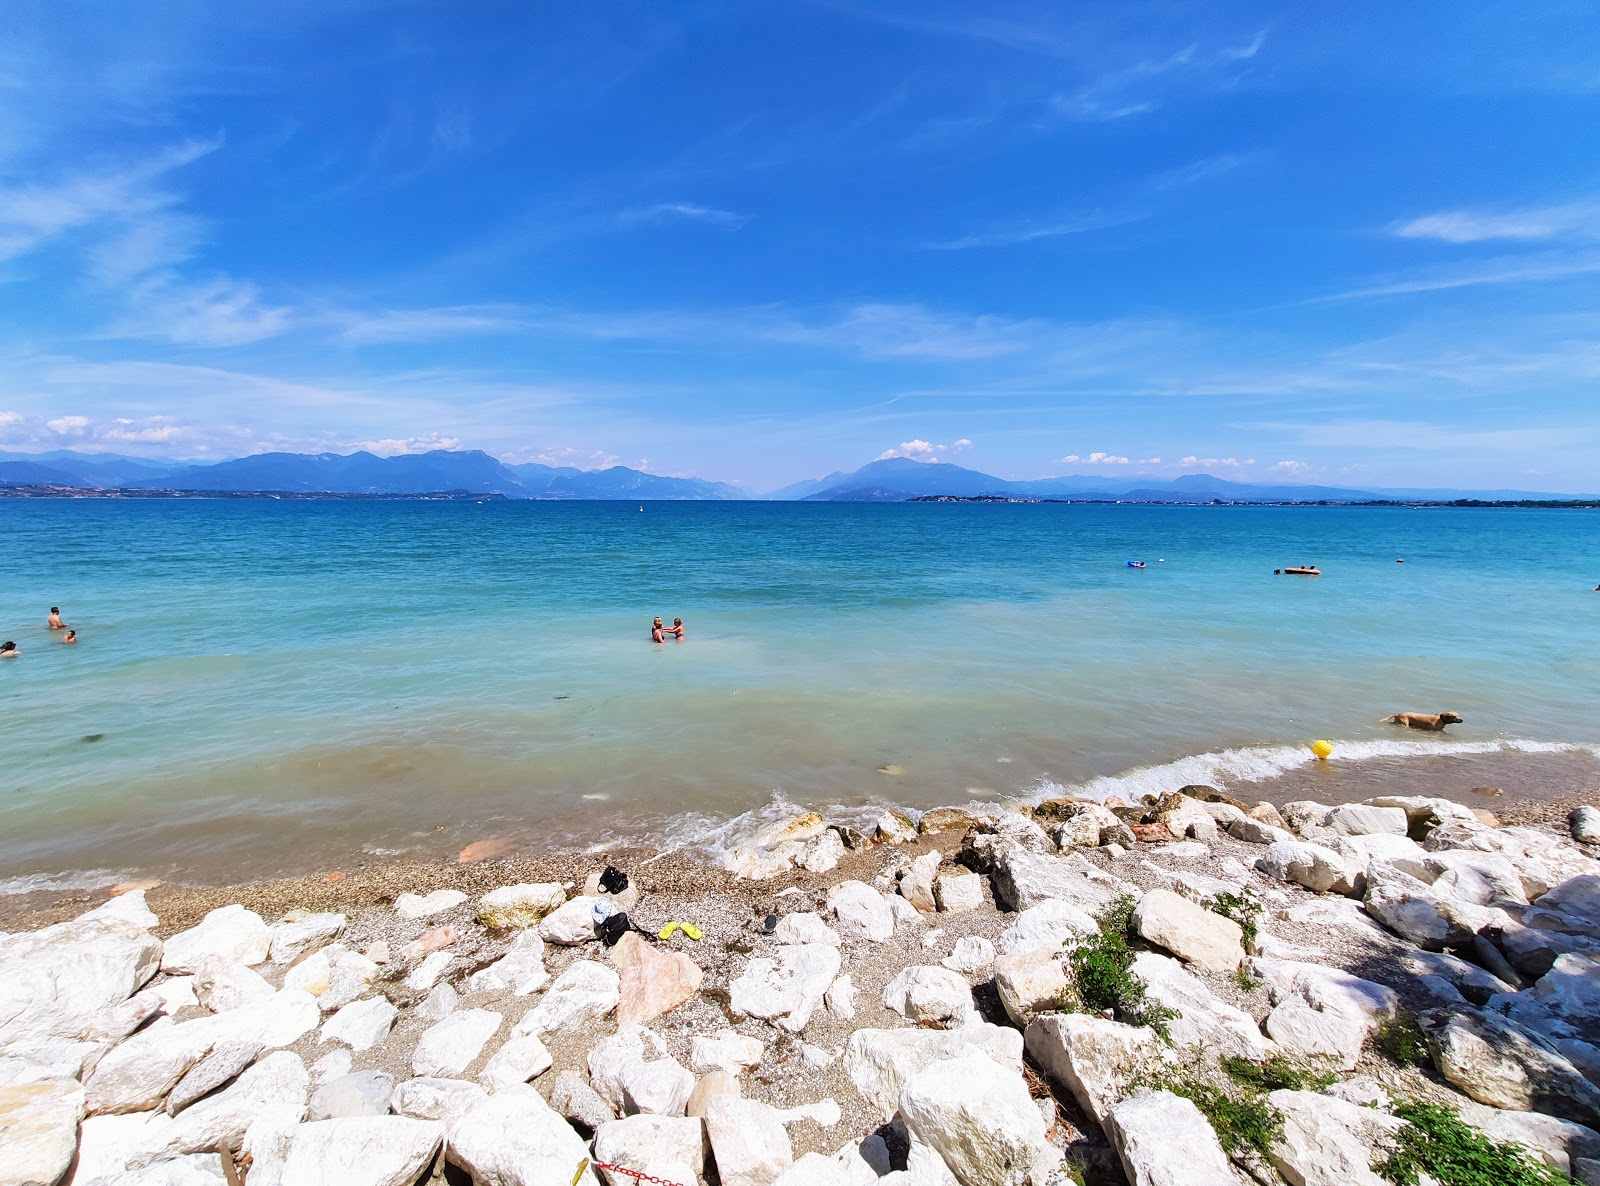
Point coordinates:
[(54, 620), (70, 636), (677, 629), (658, 632), (8, 650)]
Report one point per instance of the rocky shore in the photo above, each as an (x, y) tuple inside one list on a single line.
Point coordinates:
[(1193, 990)]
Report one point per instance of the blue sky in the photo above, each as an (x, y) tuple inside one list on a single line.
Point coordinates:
[(758, 242)]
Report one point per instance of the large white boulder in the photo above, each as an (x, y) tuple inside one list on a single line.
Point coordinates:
[(39, 1131), (1500, 1063), (971, 955), (112, 1148), (280, 1080), (362, 1151), (518, 1061), (670, 1148), (232, 933), (571, 924), (362, 1024), (916, 883), (1411, 908), (805, 927), (1312, 866), (927, 994), (295, 936), (415, 906), (1163, 1140), (981, 1121), (1092, 1057), (1052, 925), (1585, 825), (137, 1075), (58, 980), (787, 990), (958, 891), (879, 1062), (631, 1083), (861, 911), (1031, 982), (1203, 1019), (520, 971), (220, 985), (1190, 931), (226, 1062), (748, 1141), (445, 1100), (1359, 819), (726, 1050), (585, 992), (1022, 879), (517, 907), (1330, 1142), (359, 1093), (516, 1139), (450, 1046)]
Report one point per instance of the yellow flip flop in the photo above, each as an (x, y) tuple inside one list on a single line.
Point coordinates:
[(692, 931), (668, 931)]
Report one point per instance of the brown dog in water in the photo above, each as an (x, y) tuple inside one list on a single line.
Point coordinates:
[(1433, 722)]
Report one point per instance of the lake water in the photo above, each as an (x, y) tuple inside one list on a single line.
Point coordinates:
[(269, 686)]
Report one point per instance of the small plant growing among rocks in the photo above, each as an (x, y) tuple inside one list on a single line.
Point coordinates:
[(1103, 979), (1403, 1041), (1437, 1143), (1277, 1073), (1240, 908)]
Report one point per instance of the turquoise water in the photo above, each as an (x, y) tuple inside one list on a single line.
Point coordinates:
[(269, 685)]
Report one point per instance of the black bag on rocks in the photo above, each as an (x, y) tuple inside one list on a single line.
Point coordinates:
[(613, 880)]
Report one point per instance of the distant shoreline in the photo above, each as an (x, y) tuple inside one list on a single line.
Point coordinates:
[(1588, 504)]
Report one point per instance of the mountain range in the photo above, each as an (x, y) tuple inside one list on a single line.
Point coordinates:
[(891, 480)]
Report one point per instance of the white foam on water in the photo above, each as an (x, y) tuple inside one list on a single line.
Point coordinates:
[(33, 883), (1258, 763)]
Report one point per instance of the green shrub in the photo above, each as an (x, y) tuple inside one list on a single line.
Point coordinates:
[(1277, 1074), (1245, 981), (1436, 1142), (1402, 1039), (1102, 973), (1242, 1119), (1242, 909)]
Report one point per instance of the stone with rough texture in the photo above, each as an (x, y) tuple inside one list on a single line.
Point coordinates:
[(926, 994), (362, 1151), (1254, 831), (861, 911), (226, 1062), (814, 1169), (520, 971), (971, 955), (823, 854), (1307, 1033), (1357, 819), (1092, 1057), (361, 1093), (1047, 925), (350, 974), (805, 927), (957, 891), (293, 937), (516, 1139), (1410, 908), (232, 933), (570, 924), (725, 1050), (59, 979), (416, 906), (1190, 931), (748, 1141), (441, 1002), (1021, 879), (980, 1120), (712, 1085), (362, 1024), (916, 884), (652, 982), (129, 907), (38, 1131), (426, 974), (1030, 983), (879, 1062), (518, 907), (1329, 1142), (585, 992), (630, 1083), (1585, 824), (666, 1147), (786, 990), (894, 827), (1557, 1143), (448, 1047), (518, 1061), (571, 1095), (1203, 1019), (138, 1074), (278, 1080), (1499, 1063), (445, 1100), (1313, 866), (1163, 1140), (841, 999), (220, 985)]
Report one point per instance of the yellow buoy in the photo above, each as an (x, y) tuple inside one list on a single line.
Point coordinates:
[(1322, 749)]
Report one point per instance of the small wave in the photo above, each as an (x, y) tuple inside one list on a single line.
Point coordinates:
[(34, 883), (1258, 763)]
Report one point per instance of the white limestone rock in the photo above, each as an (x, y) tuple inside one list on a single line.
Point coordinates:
[(112, 1148), (1163, 1140), (1585, 825), (293, 937), (879, 1062), (362, 1151), (137, 1075), (980, 1120), (958, 891), (516, 1139), (787, 990), (823, 854), (444, 1100), (280, 1080), (570, 924), (1254, 831), (1203, 1019), (361, 1093), (805, 928), (1307, 1033), (815, 1169), (585, 992), (1092, 1057), (448, 1047), (518, 907), (1411, 909), (748, 1141), (425, 975), (1313, 866), (926, 994), (440, 1003), (972, 955), (39, 1131), (631, 1083), (225, 1063), (1498, 1062), (1329, 1142), (841, 999), (571, 1095), (1021, 879), (1357, 819), (232, 933), (61, 978), (1051, 925), (916, 883), (861, 911), (518, 1061), (130, 908), (1190, 931), (361, 1024), (1030, 983), (726, 1050), (417, 906), (350, 976), (670, 1148), (220, 986)]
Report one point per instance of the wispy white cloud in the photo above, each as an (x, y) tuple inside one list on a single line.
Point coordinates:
[(1526, 269), (1011, 234), (1144, 85), (1574, 220), (210, 313), (921, 450), (396, 447), (563, 457), (686, 212), (1216, 462), (412, 325)]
